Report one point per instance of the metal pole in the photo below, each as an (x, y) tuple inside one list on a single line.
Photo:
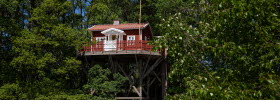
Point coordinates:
[(140, 19)]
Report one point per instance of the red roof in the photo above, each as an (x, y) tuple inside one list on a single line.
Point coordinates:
[(126, 26)]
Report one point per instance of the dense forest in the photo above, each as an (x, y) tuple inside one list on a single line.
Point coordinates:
[(218, 49)]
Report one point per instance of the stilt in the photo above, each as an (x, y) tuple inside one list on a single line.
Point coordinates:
[(144, 74)]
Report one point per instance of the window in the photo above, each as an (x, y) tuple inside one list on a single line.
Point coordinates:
[(114, 37), (130, 37), (100, 38)]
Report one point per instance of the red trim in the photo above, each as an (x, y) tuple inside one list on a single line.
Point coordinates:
[(121, 46)]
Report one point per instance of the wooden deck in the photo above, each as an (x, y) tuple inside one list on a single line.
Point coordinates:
[(120, 48), (88, 53)]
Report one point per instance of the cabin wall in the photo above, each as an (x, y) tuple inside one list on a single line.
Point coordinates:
[(128, 32), (96, 34), (147, 32), (131, 32)]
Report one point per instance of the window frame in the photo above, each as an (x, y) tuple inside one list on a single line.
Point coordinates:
[(131, 36), (100, 38)]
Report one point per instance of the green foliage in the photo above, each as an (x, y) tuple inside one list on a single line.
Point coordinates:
[(103, 83), (9, 92), (107, 16), (44, 60), (65, 97), (219, 49), (10, 23), (223, 49), (73, 97)]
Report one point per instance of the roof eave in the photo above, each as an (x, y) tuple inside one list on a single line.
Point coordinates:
[(147, 24), (91, 27), (121, 29)]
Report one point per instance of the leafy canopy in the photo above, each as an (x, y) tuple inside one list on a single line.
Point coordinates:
[(223, 49)]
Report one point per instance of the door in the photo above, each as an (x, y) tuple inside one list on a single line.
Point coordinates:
[(111, 44), (131, 45)]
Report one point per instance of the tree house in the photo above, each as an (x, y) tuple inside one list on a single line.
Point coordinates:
[(125, 48)]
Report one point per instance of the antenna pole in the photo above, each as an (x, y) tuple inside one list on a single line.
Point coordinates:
[(140, 20), (140, 87)]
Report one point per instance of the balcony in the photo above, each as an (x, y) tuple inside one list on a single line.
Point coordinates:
[(115, 47)]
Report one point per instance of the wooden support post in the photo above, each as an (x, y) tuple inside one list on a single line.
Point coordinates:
[(148, 87), (140, 74), (156, 76), (137, 91), (128, 76), (164, 79), (132, 71), (153, 66), (147, 63), (111, 62), (152, 81)]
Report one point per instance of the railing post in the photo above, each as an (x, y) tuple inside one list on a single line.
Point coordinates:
[(150, 50), (117, 46), (136, 45), (103, 45), (141, 45), (92, 48), (126, 46), (140, 42)]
